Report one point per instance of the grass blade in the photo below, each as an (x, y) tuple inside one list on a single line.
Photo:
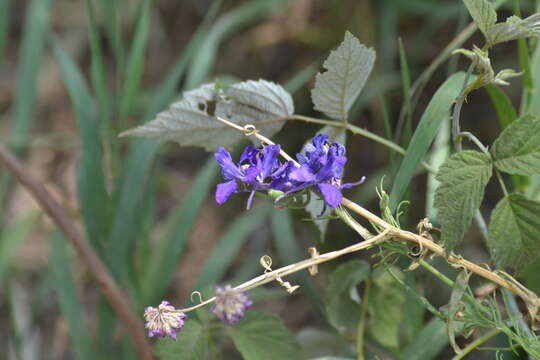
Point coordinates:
[(406, 85), (167, 89), (68, 298), (506, 112), (12, 238), (289, 252), (228, 245), (5, 7), (99, 74), (203, 61), (30, 55), (135, 61), (434, 115), (93, 195), (160, 271), (129, 199)]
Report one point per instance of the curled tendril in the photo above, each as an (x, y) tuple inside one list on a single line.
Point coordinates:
[(313, 270), (197, 293), (249, 130), (266, 262)]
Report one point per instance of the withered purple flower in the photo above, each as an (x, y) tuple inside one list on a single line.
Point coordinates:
[(230, 304), (163, 321)]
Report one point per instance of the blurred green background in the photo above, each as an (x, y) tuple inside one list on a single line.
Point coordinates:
[(74, 74)]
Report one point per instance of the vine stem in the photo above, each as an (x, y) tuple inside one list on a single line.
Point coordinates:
[(353, 129), (389, 232), (118, 300), (476, 343)]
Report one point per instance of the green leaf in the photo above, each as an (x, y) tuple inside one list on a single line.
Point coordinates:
[(460, 286), (191, 120), (517, 149), (228, 245), (432, 118), (347, 70), (513, 231), (515, 28), (70, 302), (483, 14), (343, 312), (30, 56), (463, 178), (429, 342), (161, 270), (385, 308), (228, 23), (192, 343), (261, 336), (503, 105), (91, 183), (135, 64)]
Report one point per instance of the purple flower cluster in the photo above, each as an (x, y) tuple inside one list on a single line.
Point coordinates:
[(164, 320), (230, 304), (321, 165)]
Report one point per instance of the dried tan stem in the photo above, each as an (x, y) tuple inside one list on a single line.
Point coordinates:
[(118, 300), (304, 264), (507, 282)]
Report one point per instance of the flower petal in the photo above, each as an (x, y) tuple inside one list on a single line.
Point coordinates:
[(303, 174), (224, 190), (229, 168), (331, 194)]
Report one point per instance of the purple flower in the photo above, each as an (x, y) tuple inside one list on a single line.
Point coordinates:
[(164, 320), (255, 171), (230, 304), (321, 165)]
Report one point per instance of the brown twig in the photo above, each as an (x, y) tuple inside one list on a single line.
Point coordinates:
[(114, 294)]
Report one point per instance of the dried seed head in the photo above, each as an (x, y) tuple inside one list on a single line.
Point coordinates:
[(164, 320), (230, 304)]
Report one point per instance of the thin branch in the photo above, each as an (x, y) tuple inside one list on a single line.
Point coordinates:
[(476, 343), (118, 300)]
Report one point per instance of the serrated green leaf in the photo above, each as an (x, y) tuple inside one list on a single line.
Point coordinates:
[(432, 118), (515, 28), (463, 178), (483, 14), (191, 121), (348, 68), (385, 308), (261, 336), (343, 312), (192, 344), (513, 231), (517, 149)]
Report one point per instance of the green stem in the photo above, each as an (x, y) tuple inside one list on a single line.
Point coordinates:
[(362, 324), (482, 339), (501, 182), (355, 130), (437, 273)]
